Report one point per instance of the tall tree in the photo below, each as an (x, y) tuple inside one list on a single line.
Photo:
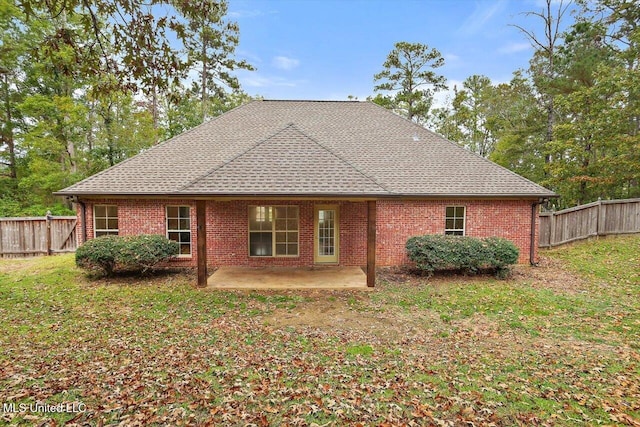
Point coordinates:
[(408, 73), (182, 107), (543, 62), (596, 155), (467, 121), (595, 141), (518, 122), (210, 43), (621, 20), (12, 47), (126, 127)]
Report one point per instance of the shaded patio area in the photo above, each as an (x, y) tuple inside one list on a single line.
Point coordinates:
[(328, 277)]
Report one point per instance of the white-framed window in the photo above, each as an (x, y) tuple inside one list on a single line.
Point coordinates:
[(179, 227), (454, 223), (105, 220), (273, 231)]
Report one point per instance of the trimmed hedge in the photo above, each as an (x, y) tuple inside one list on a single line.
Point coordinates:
[(437, 252), (99, 254), (108, 254)]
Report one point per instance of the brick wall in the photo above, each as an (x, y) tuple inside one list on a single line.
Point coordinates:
[(142, 216), (228, 233), (227, 227), (399, 220)]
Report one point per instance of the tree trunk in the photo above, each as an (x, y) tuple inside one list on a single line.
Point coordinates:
[(550, 123), (108, 121), (7, 134), (204, 75), (154, 100)]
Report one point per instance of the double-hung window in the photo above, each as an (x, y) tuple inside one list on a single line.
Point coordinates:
[(454, 220), (273, 231), (179, 227), (105, 220)]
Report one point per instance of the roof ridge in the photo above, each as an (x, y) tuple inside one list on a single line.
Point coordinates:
[(343, 101), (268, 138)]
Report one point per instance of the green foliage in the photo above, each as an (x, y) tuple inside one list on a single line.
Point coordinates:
[(107, 254), (184, 108), (469, 120), (570, 123), (9, 207), (25, 201), (126, 129), (501, 254), (99, 254), (433, 253), (145, 251), (81, 86), (408, 74), (519, 125)]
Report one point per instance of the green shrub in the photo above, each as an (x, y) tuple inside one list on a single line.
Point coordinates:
[(145, 251), (99, 254), (433, 253), (108, 254), (502, 252)]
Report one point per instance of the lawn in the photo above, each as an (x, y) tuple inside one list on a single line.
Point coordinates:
[(554, 345)]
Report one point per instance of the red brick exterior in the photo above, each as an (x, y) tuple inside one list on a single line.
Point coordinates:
[(227, 227), (140, 216), (228, 233), (399, 220)]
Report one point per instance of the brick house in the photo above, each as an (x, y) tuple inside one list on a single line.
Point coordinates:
[(301, 183)]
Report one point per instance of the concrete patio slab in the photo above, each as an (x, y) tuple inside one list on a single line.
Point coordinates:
[(288, 278)]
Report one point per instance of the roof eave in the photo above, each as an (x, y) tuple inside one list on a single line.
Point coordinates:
[(306, 195)]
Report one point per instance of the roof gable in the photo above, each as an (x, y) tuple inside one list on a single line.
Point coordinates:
[(288, 162)]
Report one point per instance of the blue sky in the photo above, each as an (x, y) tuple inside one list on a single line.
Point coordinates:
[(329, 49)]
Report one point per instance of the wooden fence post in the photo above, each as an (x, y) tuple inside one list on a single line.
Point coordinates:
[(48, 221), (601, 229), (552, 228)]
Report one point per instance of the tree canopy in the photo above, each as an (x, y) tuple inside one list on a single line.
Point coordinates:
[(570, 122), (87, 84), (408, 73)]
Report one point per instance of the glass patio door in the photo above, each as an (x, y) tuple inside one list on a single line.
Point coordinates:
[(326, 235)]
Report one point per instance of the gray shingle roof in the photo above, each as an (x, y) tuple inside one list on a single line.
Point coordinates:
[(309, 148)]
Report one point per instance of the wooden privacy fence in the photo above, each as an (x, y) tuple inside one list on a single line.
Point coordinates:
[(25, 237), (599, 218)]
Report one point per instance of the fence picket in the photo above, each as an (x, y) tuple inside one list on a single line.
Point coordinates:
[(33, 236), (594, 219)]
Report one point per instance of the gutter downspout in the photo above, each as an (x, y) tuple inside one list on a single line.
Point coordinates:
[(83, 220), (532, 245)]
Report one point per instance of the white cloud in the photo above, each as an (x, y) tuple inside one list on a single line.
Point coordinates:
[(444, 97), (256, 80), (514, 47), (451, 57), (481, 16), (236, 14), (285, 63)]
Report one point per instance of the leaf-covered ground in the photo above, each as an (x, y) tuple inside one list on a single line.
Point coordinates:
[(555, 345)]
